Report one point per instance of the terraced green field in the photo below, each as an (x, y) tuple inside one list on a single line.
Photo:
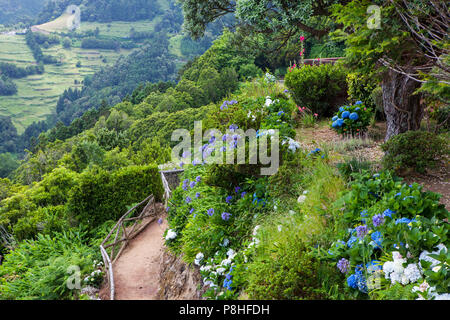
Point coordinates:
[(37, 95)]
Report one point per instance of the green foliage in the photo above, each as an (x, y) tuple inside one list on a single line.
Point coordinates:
[(352, 166), (39, 269), (102, 196), (361, 87), (442, 116), (284, 267), (319, 88), (418, 150), (8, 164), (7, 86)]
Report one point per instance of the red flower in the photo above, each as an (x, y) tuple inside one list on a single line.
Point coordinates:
[(302, 38)]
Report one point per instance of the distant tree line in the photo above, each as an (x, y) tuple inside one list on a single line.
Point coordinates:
[(33, 44), (7, 86), (15, 72), (93, 43), (103, 11)]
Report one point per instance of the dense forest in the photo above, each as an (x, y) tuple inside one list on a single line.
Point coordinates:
[(14, 11), (103, 11)]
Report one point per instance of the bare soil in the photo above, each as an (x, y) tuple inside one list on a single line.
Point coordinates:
[(136, 272)]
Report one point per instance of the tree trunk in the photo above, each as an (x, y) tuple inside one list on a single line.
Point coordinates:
[(402, 107)]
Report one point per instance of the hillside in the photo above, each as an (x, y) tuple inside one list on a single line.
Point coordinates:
[(15, 11), (38, 94)]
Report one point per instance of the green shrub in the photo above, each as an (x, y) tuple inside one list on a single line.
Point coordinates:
[(287, 270), (39, 269), (417, 150), (319, 88), (102, 196), (360, 88)]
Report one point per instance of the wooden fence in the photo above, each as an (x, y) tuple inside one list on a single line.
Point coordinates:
[(127, 228)]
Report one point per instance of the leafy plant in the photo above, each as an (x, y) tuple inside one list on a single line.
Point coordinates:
[(318, 88), (418, 150)]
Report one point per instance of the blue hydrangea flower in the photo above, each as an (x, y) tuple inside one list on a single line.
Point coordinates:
[(351, 241), (377, 238), (227, 284), (339, 122), (334, 124), (343, 265), (345, 114), (226, 216), (361, 283), (342, 109), (388, 213), (357, 109), (352, 281), (334, 118), (377, 220), (402, 220), (358, 103), (354, 116), (361, 231)]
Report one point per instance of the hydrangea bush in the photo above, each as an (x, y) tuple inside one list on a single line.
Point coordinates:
[(353, 119), (399, 237)]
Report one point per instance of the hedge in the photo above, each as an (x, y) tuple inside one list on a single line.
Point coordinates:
[(101, 196)]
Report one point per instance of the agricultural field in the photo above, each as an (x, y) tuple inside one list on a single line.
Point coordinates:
[(38, 94)]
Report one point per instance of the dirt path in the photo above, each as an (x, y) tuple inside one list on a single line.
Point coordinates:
[(136, 273)]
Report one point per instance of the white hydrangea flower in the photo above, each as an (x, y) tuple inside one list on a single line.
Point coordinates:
[(412, 272), (171, 235), (226, 262), (199, 256), (268, 102), (388, 267), (231, 253), (301, 199), (220, 270)]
